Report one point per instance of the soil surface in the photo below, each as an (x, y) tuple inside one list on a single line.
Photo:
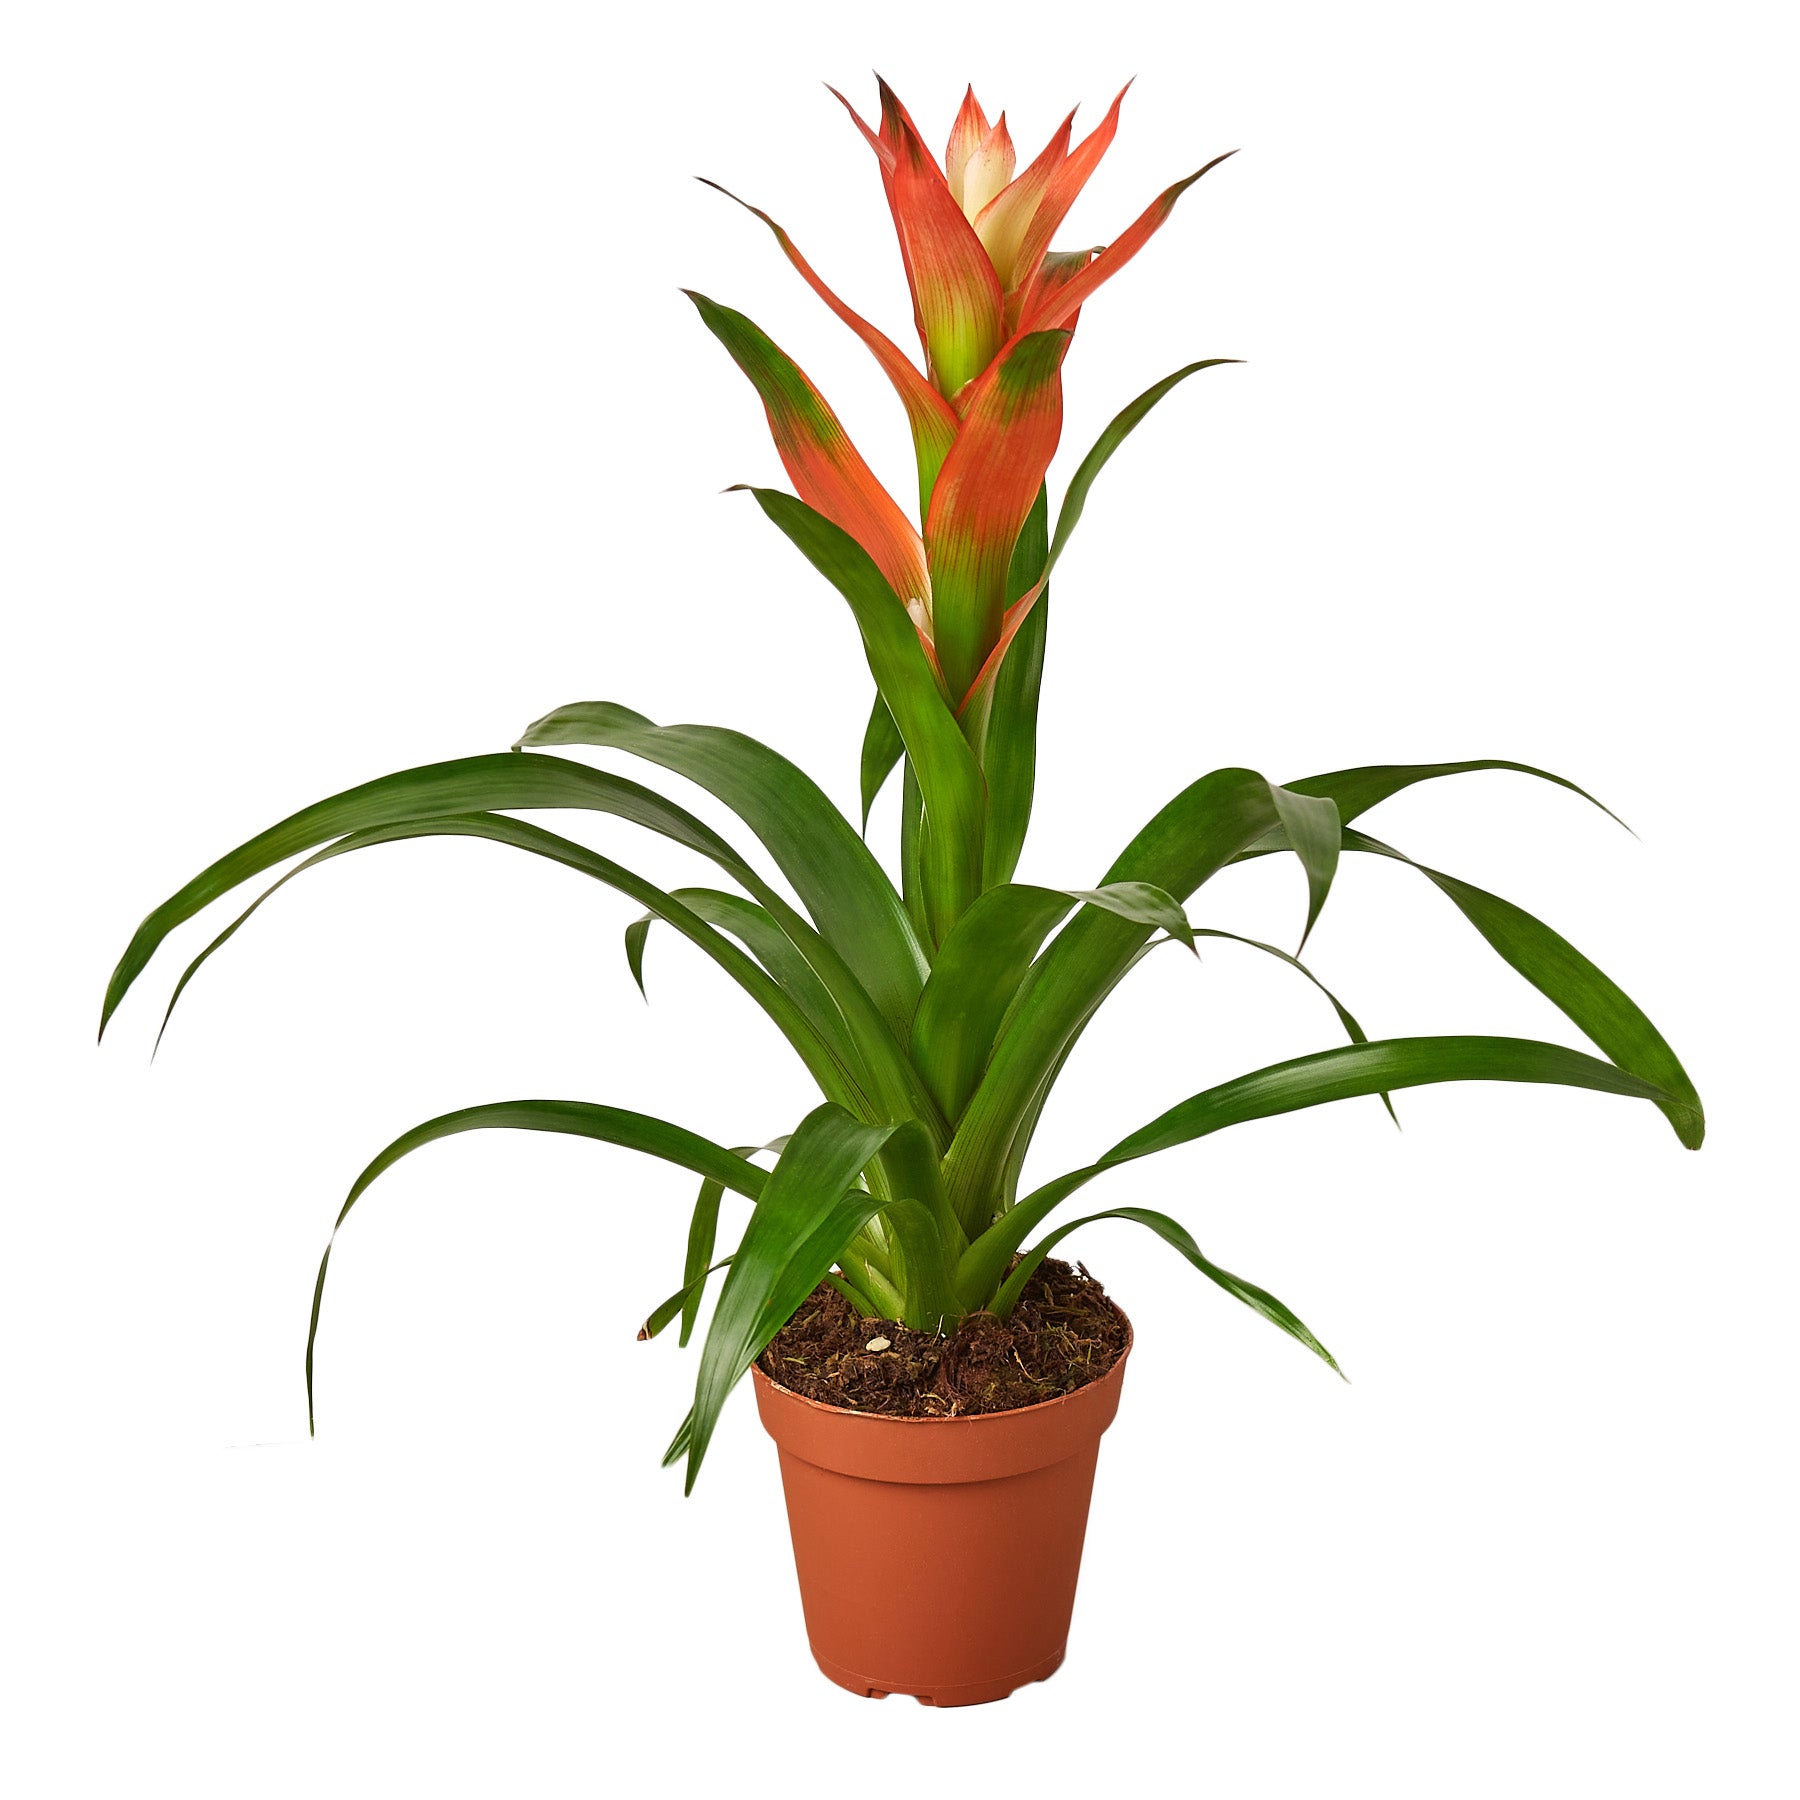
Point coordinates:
[(1063, 1333)]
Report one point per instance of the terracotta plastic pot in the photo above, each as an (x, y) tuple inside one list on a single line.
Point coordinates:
[(938, 1557)]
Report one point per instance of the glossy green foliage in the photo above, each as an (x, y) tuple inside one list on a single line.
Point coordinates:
[(934, 1004)]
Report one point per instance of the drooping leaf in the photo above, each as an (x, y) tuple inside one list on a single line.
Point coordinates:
[(1583, 993), (1383, 1066), (468, 785), (758, 932), (573, 1118), (1316, 835), (833, 1056), (660, 1318), (1352, 1029), (805, 1216), (1356, 790), (637, 933), (1259, 1300), (843, 888)]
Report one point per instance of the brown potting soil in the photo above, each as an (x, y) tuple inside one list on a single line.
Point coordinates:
[(1063, 1333)]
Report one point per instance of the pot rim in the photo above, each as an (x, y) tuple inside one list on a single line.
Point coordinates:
[(1011, 1412)]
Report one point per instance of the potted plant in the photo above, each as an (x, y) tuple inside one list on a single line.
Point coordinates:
[(936, 1386)]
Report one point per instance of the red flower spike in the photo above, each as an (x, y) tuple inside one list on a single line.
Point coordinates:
[(966, 137), (1015, 616), (989, 171), (987, 485), (883, 150), (1047, 310), (1065, 187), (956, 295), (1004, 223), (932, 418), (823, 464)]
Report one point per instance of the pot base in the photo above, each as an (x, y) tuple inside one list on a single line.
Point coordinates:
[(972, 1693)]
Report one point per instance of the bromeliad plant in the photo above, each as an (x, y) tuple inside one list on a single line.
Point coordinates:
[(935, 1015)]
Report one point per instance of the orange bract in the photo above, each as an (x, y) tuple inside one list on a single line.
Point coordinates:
[(974, 240)]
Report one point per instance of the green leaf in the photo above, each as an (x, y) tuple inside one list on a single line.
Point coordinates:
[(1259, 1300), (1352, 1029), (979, 968), (805, 1216), (1122, 426), (572, 1118), (833, 1061), (438, 790), (703, 1234), (912, 877), (1583, 993), (1197, 833), (841, 885), (1356, 790), (1027, 597), (758, 932), (636, 934), (1316, 835), (1009, 737), (881, 749), (1341, 1074), (950, 783), (678, 1303), (1385, 1065)]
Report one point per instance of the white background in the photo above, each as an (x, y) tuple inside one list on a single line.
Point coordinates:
[(353, 418)]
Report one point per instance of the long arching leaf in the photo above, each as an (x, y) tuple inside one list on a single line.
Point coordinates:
[(1341, 1074), (832, 1058), (844, 889), (1356, 790), (468, 785), (1259, 1300), (1583, 993), (752, 926), (1352, 1029), (572, 1118)]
